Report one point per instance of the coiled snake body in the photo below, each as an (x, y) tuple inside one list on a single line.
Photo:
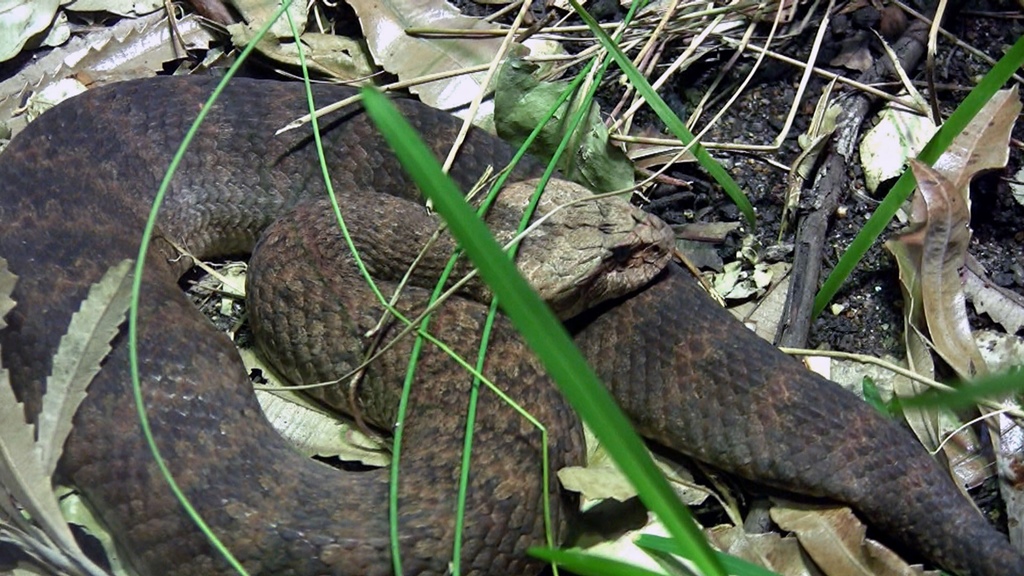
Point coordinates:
[(74, 190)]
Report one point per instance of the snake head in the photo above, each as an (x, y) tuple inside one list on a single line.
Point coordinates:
[(586, 249)]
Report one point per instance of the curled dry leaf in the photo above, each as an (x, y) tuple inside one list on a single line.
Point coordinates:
[(930, 425), (933, 252), (936, 243), (778, 553), (983, 144), (835, 539)]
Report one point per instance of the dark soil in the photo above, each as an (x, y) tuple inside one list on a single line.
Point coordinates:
[(871, 318)]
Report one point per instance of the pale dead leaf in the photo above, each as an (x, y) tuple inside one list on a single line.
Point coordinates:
[(942, 236), (129, 48), (781, 554), (624, 548), (122, 7), (7, 282), (78, 358), (1003, 306), (36, 524), (21, 470), (1005, 352), (984, 143), (384, 23), (834, 538), (77, 512), (20, 21), (325, 54), (257, 12), (312, 430), (601, 478), (764, 314), (898, 135), (316, 433)]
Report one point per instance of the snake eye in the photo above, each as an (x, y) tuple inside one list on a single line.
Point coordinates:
[(622, 254)]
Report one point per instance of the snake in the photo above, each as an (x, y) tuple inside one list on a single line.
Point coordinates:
[(76, 187)]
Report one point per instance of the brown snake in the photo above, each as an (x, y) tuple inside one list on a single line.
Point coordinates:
[(74, 190)]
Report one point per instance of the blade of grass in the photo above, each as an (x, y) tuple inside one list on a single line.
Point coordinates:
[(542, 331)]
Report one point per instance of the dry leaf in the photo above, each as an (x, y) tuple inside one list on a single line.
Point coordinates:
[(308, 427), (1003, 306), (983, 144), (898, 135), (781, 554), (102, 56), (937, 245), (20, 21), (834, 538), (21, 471), (121, 7), (7, 282), (257, 12), (325, 54), (384, 23)]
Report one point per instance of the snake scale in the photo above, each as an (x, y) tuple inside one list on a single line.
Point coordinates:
[(75, 187)]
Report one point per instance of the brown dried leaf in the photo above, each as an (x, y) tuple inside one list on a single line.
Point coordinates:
[(780, 554), (945, 238), (834, 538), (7, 282), (983, 144)]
